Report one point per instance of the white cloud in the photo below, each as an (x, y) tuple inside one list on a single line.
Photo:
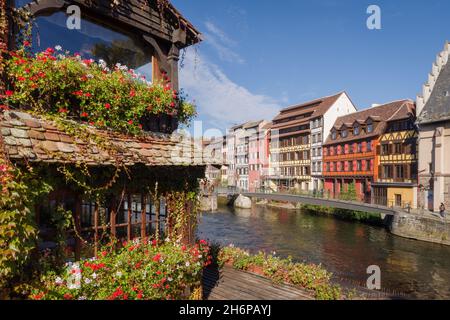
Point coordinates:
[(223, 44), (221, 101)]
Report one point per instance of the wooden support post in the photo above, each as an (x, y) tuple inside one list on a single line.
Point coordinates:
[(157, 221), (156, 71), (129, 226), (96, 229), (168, 223), (113, 216), (77, 218), (143, 217)]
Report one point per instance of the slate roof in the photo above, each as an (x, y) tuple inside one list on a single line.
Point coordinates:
[(316, 108), (437, 107), (381, 115), (26, 137)]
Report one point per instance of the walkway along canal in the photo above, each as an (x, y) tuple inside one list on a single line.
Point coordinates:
[(415, 268)]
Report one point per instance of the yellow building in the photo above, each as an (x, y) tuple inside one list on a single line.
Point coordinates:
[(396, 183)]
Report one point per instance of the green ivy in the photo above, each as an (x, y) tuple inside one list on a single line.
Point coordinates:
[(18, 235)]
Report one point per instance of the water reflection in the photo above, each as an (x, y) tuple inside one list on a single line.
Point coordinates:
[(344, 248)]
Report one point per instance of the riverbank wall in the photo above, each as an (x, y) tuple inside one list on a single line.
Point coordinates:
[(420, 227)]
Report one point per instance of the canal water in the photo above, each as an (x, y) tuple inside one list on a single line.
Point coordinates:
[(414, 268)]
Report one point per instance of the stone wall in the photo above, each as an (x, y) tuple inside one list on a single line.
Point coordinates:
[(422, 228)]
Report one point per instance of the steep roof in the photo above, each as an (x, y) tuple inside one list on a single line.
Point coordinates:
[(396, 110), (437, 103), (309, 110), (26, 137)]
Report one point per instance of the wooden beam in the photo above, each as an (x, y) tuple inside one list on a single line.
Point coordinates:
[(129, 226), (156, 71), (96, 229), (143, 217), (77, 218), (157, 220), (113, 216)]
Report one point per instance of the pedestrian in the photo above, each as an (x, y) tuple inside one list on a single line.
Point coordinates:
[(442, 210)]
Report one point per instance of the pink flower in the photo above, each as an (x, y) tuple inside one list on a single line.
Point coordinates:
[(9, 93), (130, 121), (107, 106), (26, 43)]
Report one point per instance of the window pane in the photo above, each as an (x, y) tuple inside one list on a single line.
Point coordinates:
[(92, 41)]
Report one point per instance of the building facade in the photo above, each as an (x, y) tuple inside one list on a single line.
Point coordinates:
[(231, 143), (433, 109), (297, 135), (349, 153), (258, 155), (213, 148), (396, 183)]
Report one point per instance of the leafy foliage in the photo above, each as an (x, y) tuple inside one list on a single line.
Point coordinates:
[(57, 83), (139, 270), (17, 224), (308, 276)]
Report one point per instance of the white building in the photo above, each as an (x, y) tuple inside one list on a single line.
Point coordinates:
[(320, 129)]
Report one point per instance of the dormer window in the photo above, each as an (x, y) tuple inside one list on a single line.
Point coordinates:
[(356, 130), (333, 134), (344, 133), (369, 126)]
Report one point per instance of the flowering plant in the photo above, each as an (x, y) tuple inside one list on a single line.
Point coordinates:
[(311, 277), (139, 270), (69, 86)]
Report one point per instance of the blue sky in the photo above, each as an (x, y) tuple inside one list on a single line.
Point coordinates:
[(261, 56)]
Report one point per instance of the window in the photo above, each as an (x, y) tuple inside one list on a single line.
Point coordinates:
[(319, 152), (344, 133), (385, 149), (398, 148), (387, 172), (369, 146), (359, 165), (350, 166), (333, 134), (369, 126), (356, 130), (399, 172), (93, 41), (359, 147)]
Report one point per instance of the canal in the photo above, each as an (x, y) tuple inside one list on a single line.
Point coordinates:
[(418, 269)]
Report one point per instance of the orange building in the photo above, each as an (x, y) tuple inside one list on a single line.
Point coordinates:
[(350, 151)]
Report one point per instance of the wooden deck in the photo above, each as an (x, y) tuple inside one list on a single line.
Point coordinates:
[(231, 284)]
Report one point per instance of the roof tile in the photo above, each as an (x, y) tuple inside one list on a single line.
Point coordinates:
[(47, 143)]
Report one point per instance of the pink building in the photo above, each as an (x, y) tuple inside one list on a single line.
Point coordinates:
[(258, 152)]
